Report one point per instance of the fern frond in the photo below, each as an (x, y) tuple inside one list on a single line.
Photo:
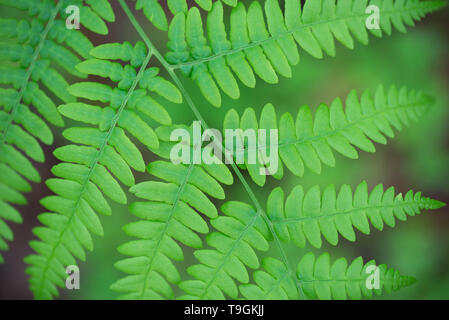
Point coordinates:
[(309, 214), (99, 158), (32, 52), (269, 48), (309, 140), (170, 214), (155, 13), (242, 230), (320, 279)]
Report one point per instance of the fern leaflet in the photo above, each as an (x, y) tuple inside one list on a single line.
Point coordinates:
[(309, 141), (308, 215), (270, 48), (154, 11), (319, 279)]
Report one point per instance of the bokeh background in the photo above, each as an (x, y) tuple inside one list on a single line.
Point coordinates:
[(417, 158)]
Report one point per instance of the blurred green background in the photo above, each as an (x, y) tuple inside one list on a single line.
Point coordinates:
[(417, 158)]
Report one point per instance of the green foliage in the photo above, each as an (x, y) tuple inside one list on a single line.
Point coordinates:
[(269, 48), (38, 54), (99, 157), (121, 117)]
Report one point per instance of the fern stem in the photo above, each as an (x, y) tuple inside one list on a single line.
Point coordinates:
[(198, 115), (95, 162), (30, 69)]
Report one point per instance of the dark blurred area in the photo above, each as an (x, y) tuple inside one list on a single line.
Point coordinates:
[(417, 158)]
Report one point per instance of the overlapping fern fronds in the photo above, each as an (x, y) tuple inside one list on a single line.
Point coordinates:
[(177, 207), (243, 230), (99, 157), (269, 48), (308, 215), (38, 55), (309, 140)]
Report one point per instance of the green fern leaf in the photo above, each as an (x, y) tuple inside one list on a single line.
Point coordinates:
[(308, 215), (269, 48), (319, 279), (98, 159), (37, 54), (310, 141)]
